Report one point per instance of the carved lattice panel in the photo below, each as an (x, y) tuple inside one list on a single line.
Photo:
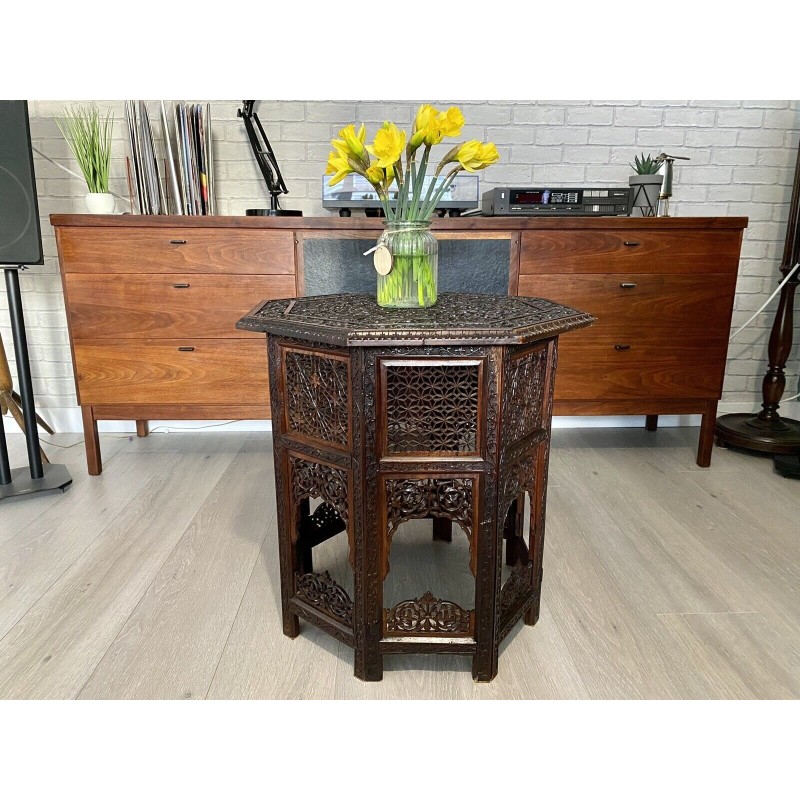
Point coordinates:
[(427, 616), (313, 479), (322, 592), (524, 394), (432, 408), (418, 498), (317, 396)]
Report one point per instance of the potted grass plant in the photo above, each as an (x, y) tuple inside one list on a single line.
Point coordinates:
[(88, 134), (646, 183)]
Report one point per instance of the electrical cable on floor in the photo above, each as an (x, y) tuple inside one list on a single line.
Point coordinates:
[(130, 436)]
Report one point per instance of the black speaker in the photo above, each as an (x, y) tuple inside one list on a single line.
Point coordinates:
[(20, 234)]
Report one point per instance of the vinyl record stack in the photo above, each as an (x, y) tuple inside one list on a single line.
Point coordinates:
[(180, 181)]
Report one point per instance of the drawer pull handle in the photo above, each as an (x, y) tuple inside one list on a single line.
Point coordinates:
[(631, 244), (622, 347), (177, 241), (180, 285), (627, 285), (186, 349)]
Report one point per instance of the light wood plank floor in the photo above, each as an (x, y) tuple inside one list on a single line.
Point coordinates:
[(159, 579)]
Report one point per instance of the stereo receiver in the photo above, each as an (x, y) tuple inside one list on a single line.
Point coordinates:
[(603, 202)]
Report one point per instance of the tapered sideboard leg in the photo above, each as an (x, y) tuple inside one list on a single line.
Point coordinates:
[(142, 427), (651, 422), (706, 442), (94, 460)]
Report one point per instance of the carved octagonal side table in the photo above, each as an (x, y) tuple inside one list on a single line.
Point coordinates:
[(385, 415)]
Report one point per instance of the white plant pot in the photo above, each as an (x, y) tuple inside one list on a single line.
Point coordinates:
[(645, 190), (100, 202)]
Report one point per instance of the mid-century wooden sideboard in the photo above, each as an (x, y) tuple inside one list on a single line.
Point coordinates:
[(152, 302)]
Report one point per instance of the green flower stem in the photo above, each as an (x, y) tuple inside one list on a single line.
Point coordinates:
[(411, 279), (431, 204), (419, 182)]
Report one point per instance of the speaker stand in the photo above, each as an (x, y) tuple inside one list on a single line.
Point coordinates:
[(15, 482)]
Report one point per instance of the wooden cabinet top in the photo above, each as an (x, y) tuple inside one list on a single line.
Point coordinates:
[(370, 223)]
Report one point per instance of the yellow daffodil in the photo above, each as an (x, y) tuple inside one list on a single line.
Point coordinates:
[(451, 122), (425, 115), (388, 145), (351, 144), (473, 155), (375, 175), (338, 166)]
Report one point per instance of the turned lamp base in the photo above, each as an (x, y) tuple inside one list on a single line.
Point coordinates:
[(751, 433), (788, 466)]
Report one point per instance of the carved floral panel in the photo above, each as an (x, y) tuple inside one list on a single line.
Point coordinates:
[(317, 393)]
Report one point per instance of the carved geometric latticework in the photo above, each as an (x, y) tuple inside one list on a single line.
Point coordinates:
[(322, 592), (516, 478), (523, 395), (432, 409), (312, 479), (516, 587), (427, 615), (317, 396)]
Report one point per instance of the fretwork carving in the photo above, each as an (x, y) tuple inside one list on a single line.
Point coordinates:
[(321, 591), (432, 409), (418, 498), (317, 390), (411, 498), (523, 394), (427, 615), (312, 479), (516, 587)]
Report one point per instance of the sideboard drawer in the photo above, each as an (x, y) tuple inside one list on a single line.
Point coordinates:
[(166, 306), (601, 368), (157, 371), (686, 304), (634, 250), (155, 250)]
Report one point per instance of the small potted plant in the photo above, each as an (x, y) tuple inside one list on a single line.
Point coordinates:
[(88, 135), (646, 183)]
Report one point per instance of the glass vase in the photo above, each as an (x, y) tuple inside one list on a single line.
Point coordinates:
[(413, 279)]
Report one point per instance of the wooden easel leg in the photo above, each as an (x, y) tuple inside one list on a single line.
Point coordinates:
[(94, 460)]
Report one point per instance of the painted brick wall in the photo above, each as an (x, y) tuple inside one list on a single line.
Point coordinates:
[(742, 154)]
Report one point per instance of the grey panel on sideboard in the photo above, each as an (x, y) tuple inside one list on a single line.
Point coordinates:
[(332, 265)]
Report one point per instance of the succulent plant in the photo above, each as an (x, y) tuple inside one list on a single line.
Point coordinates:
[(647, 164)]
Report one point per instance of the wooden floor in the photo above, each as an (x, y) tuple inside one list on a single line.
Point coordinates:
[(159, 579)]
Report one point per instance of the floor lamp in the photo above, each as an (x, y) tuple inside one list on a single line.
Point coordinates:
[(767, 431)]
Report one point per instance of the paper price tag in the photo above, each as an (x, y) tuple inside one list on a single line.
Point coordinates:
[(382, 259)]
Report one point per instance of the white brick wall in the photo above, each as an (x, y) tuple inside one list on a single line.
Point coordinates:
[(742, 154)]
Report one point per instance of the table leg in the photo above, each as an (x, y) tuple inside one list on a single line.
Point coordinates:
[(94, 460), (302, 548), (142, 428), (651, 422), (706, 442), (532, 614), (442, 529)]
